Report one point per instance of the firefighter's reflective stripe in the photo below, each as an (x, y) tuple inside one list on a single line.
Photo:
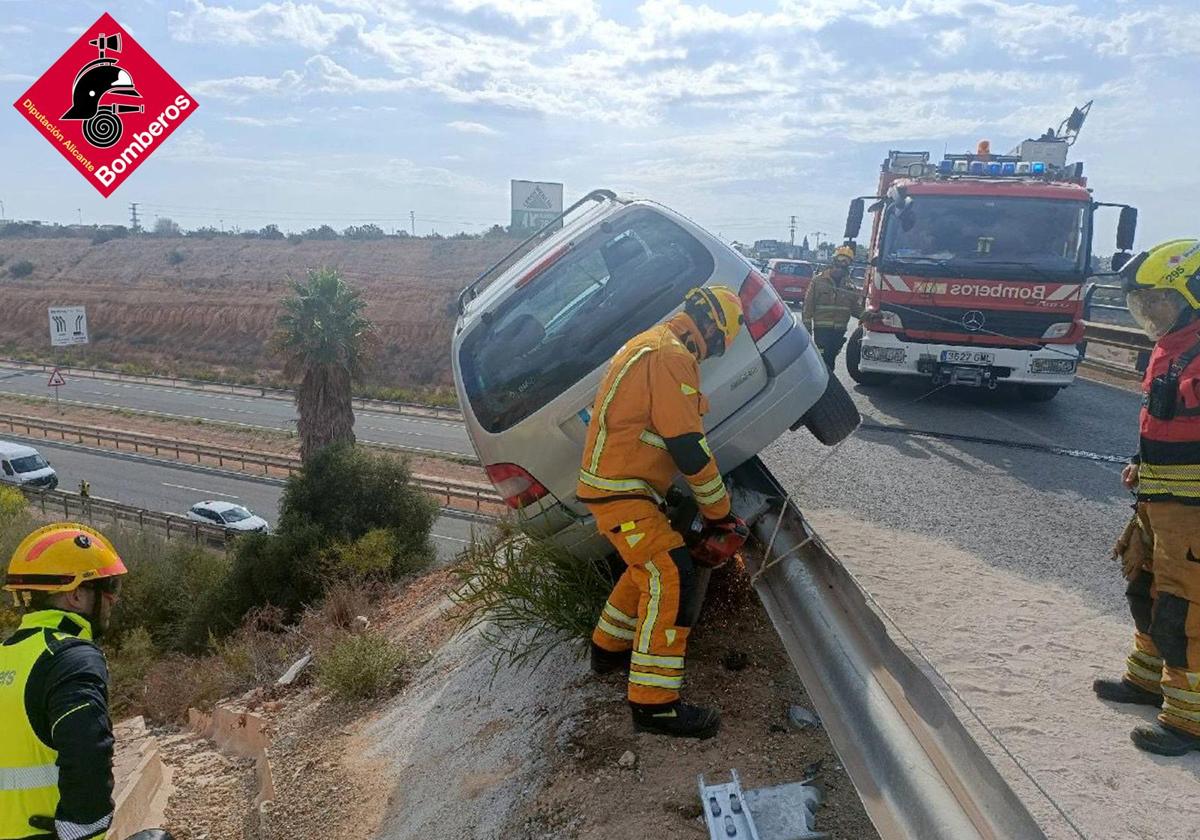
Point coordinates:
[(619, 485), (687, 390), (602, 434), (649, 437), (77, 831), (652, 607), (655, 680), (1144, 666), (1169, 479), (615, 631), (708, 492), (619, 617), (675, 662), (27, 778)]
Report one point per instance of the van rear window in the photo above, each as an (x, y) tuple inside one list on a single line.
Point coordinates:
[(572, 317)]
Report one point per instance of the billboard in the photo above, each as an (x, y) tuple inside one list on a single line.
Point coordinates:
[(534, 203)]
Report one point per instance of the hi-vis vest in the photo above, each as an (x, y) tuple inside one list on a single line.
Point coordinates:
[(28, 768), (829, 305), (1169, 450)]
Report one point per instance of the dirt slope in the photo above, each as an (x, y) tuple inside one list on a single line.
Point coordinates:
[(185, 303)]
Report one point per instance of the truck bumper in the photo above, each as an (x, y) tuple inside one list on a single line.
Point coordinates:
[(886, 353)]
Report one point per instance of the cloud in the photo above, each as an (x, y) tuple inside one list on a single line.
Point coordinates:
[(15, 29), (263, 122), (300, 23), (472, 128), (16, 77)]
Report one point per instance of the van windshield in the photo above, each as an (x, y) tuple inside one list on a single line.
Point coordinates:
[(572, 317), (30, 463)]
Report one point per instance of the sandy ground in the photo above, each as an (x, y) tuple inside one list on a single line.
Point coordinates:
[(1026, 671), (535, 755)]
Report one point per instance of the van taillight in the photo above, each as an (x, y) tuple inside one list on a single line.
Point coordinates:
[(518, 488), (761, 305)]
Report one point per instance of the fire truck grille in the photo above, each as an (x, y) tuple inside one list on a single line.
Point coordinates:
[(983, 322)]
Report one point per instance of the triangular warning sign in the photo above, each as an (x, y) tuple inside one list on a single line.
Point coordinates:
[(538, 200), (56, 379)]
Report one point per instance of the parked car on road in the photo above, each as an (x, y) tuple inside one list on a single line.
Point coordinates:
[(228, 515), (24, 465), (790, 278), (530, 348)]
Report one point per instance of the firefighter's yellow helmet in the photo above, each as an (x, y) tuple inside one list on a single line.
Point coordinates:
[(843, 255), (1163, 283), (60, 558), (723, 306)]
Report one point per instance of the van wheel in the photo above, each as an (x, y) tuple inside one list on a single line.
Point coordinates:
[(853, 355), (832, 418), (1038, 393)]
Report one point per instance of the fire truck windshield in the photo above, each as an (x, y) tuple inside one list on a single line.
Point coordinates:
[(986, 236)]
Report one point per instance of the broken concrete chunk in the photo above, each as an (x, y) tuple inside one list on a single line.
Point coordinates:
[(289, 676), (628, 759)]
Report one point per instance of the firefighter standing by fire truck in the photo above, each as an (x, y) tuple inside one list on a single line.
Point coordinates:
[(646, 427), (830, 303), (1160, 548)]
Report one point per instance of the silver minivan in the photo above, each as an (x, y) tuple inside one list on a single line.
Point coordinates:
[(531, 346), (24, 465)]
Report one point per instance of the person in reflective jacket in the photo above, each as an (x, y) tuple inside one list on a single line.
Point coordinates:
[(56, 753), (1160, 548), (646, 427), (830, 303)]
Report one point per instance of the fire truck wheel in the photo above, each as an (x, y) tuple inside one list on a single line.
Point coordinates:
[(1038, 393), (832, 418), (853, 354)]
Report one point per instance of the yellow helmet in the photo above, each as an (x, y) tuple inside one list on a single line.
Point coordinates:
[(722, 306), (1162, 283), (61, 557), (843, 255)]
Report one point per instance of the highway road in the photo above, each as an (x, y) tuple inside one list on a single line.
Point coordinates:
[(417, 433), (173, 488)]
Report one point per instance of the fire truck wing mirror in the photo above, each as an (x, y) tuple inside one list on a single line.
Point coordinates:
[(1126, 227), (877, 206), (854, 218), (1119, 260)]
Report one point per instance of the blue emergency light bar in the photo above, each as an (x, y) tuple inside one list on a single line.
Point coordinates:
[(1002, 167)]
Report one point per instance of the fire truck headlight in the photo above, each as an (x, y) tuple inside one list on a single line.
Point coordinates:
[(1058, 330), (890, 319)]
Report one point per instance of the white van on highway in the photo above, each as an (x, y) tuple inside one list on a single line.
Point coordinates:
[(24, 465)]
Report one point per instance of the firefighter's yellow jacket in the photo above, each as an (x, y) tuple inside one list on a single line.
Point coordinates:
[(646, 423), (827, 304)]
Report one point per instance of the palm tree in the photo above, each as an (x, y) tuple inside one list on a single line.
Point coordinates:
[(327, 345)]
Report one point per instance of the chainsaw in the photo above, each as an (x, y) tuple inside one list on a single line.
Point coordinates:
[(712, 545)]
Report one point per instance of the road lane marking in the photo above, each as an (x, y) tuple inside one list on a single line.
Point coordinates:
[(199, 490)]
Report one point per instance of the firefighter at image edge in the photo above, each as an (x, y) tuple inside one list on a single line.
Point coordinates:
[(1160, 547), (57, 750), (645, 428), (830, 303)]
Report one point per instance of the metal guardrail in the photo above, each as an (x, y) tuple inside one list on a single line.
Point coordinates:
[(467, 494), (393, 406), (76, 508)]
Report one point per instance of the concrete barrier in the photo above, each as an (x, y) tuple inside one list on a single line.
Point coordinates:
[(142, 783), (241, 733)]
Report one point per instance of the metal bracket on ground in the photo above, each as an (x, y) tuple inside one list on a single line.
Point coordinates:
[(782, 812)]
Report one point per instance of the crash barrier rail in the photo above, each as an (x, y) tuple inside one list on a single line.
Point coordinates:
[(75, 508), (920, 774), (1122, 338), (395, 406), (456, 493)]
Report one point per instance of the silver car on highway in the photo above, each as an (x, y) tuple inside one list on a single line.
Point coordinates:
[(530, 348)]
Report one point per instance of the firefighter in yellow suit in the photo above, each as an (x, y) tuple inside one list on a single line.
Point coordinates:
[(646, 428), (1160, 549), (830, 303)]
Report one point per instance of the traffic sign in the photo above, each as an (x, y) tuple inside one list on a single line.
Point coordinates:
[(68, 326), (56, 379)]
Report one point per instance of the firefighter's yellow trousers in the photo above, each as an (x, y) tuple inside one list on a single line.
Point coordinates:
[(642, 615), (1164, 597)]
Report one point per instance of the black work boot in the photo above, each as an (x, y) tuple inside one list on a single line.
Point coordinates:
[(607, 662), (678, 719), (1161, 739), (1121, 691)]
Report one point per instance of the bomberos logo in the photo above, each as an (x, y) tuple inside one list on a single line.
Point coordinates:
[(106, 105)]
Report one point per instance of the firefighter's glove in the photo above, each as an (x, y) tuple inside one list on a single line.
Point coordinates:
[(1131, 549), (44, 825)]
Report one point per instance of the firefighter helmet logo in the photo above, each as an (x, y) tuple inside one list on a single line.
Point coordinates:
[(973, 320), (96, 80), (106, 105)]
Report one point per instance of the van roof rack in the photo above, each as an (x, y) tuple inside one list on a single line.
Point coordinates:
[(472, 290)]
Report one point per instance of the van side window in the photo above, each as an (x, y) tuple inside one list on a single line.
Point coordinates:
[(8, 470)]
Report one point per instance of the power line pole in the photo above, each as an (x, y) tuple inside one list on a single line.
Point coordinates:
[(134, 225), (792, 233), (412, 221)]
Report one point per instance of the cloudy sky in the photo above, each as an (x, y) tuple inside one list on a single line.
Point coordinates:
[(739, 114)]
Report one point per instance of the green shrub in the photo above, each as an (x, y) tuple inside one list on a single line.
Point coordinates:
[(21, 268), (128, 665), (360, 667), (346, 491), (288, 570), (528, 596), (12, 505), (175, 257)]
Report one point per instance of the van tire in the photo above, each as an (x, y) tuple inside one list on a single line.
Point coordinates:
[(834, 417), (853, 355)]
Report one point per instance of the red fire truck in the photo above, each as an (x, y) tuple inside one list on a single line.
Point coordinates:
[(977, 267)]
